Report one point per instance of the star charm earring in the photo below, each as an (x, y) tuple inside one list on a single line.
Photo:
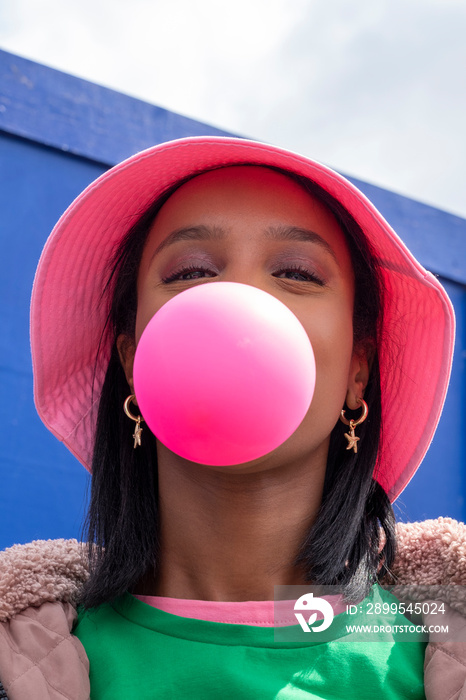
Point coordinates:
[(350, 436), (137, 433), (137, 419)]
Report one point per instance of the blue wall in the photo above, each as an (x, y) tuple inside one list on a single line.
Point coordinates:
[(57, 134)]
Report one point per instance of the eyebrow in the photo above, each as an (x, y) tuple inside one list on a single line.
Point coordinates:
[(294, 233), (216, 233)]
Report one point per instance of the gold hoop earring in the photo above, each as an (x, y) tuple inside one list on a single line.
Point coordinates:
[(350, 436), (137, 419)]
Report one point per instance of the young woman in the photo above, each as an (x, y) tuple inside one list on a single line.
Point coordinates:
[(184, 557)]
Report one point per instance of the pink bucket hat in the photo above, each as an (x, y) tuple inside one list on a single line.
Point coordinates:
[(68, 313)]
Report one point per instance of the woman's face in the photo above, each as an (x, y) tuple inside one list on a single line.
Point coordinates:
[(252, 225)]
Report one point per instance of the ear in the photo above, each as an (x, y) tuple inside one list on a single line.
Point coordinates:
[(358, 377), (126, 348)]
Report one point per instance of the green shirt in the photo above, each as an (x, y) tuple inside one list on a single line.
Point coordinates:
[(138, 652)]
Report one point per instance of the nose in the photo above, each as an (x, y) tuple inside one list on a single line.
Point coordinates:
[(246, 272)]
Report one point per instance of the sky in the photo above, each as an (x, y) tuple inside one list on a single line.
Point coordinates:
[(373, 88)]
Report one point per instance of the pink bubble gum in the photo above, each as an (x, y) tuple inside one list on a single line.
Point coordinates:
[(224, 373)]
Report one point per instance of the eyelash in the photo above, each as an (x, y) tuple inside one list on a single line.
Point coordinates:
[(312, 277), (184, 271)]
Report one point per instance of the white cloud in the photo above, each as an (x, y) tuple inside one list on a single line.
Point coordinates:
[(376, 89)]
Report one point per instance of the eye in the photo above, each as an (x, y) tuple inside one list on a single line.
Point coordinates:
[(190, 272), (299, 274)]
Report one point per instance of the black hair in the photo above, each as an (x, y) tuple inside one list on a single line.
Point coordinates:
[(352, 540), (345, 545)]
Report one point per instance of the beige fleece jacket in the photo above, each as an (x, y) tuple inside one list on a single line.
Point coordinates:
[(41, 660)]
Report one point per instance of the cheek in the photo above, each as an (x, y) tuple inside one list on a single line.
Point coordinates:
[(331, 336), (148, 305)]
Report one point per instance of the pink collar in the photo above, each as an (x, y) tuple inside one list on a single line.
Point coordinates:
[(262, 613)]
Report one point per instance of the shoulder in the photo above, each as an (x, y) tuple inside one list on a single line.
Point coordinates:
[(431, 552), (430, 562), (43, 571), (38, 585), (431, 565)]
